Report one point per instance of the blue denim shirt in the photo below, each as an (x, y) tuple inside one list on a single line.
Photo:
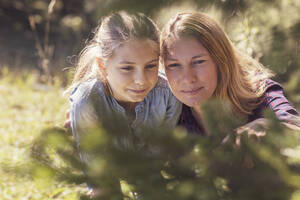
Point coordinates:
[(159, 107)]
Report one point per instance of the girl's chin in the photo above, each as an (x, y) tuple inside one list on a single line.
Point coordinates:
[(137, 100)]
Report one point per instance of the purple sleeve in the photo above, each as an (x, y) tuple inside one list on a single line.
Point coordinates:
[(277, 102)]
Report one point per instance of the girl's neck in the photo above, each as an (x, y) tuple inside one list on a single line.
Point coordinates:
[(129, 108)]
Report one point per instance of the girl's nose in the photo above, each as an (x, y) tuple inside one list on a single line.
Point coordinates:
[(140, 78)]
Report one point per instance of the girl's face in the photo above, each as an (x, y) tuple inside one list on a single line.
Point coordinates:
[(132, 71), (191, 72)]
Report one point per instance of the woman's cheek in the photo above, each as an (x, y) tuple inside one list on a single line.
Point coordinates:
[(171, 74), (173, 84)]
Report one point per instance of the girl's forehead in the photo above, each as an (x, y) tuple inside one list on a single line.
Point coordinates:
[(136, 51), (140, 43)]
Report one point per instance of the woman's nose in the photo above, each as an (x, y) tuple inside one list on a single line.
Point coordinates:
[(189, 75)]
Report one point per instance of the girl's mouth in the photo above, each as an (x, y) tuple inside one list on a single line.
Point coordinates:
[(137, 91)]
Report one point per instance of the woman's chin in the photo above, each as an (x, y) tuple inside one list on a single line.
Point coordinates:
[(192, 103)]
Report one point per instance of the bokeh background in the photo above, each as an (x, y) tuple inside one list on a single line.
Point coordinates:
[(268, 30), (39, 41)]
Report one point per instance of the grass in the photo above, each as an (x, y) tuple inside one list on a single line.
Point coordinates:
[(27, 108)]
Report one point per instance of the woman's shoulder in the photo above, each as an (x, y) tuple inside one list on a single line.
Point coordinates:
[(272, 85), (275, 100), (273, 91)]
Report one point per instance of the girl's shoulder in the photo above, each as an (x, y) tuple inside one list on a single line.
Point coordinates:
[(86, 90), (161, 91), (162, 95), (162, 83)]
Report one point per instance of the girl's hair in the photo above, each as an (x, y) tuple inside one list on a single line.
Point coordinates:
[(111, 33), (241, 79)]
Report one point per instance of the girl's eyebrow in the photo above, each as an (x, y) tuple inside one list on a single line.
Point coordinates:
[(127, 62), (132, 63)]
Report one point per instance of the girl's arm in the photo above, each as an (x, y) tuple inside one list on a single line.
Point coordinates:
[(173, 110), (83, 118), (82, 114)]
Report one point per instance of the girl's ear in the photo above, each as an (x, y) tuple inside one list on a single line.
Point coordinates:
[(101, 67)]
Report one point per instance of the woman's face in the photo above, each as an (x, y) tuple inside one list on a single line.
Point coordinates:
[(132, 71), (191, 72)]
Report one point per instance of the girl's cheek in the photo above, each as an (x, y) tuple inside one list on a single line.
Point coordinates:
[(152, 74)]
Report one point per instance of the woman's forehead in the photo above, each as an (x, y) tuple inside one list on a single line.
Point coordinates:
[(187, 47)]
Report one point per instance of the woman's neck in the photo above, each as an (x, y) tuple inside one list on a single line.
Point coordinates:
[(197, 113)]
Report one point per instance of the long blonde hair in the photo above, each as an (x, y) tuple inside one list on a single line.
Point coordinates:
[(111, 33), (241, 79)]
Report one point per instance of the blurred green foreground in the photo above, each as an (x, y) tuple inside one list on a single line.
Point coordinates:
[(38, 159)]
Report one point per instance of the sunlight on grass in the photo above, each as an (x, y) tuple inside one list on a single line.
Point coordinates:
[(27, 108)]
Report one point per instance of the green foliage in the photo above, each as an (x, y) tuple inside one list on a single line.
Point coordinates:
[(165, 164)]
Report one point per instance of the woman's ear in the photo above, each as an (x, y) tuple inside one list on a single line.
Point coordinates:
[(101, 66)]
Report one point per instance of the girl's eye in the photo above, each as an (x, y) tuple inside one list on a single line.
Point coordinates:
[(127, 68), (173, 65), (198, 62), (150, 66)]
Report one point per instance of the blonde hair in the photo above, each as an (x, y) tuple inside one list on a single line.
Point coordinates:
[(113, 31), (241, 79)]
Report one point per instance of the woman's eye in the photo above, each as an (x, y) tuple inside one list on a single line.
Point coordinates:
[(127, 68), (198, 62), (173, 65), (150, 66)]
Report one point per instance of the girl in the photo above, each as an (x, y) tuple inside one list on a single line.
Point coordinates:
[(118, 70), (200, 63)]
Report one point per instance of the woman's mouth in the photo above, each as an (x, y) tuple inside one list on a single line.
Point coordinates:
[(192, 91)]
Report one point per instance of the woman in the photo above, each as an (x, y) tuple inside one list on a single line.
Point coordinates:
[(200, 62)]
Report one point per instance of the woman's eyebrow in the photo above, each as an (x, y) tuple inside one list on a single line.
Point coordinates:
[(172, 59), (198, 56), (154, 60)]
